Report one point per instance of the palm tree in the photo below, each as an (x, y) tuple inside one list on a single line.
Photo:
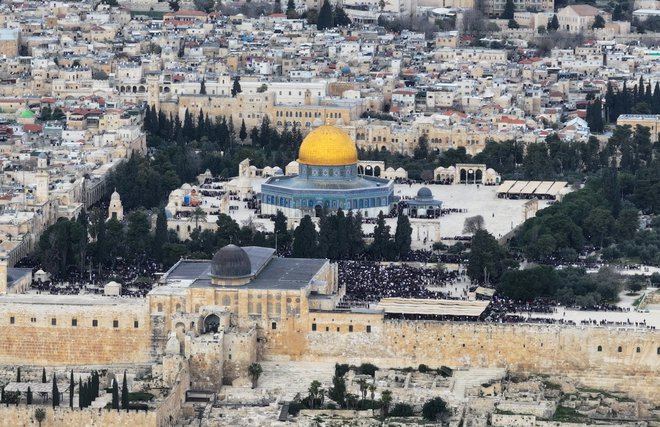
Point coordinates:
[(254, 371), (198, 215), (372, 390), (40, 415), (363, 388)]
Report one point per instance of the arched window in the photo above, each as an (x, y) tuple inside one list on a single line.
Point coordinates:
[(638, 350), (600, 348), (160, 308), (178, 308), (619, 349)]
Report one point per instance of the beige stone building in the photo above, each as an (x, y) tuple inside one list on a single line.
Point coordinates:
[(651, 121)]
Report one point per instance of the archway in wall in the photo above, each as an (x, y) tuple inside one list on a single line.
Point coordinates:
[(318, 211), (369, 171), (463, 176), (360, 170), (479, 176), (377, 171), (211, 323)]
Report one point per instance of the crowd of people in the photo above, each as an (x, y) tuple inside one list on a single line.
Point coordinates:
[(369, 282), (136, 281)]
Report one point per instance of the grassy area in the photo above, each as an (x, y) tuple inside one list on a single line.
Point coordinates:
[(638, 301), (551, 386), (565, 414)]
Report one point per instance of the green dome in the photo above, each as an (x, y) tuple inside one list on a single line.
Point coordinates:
[(27, 114)]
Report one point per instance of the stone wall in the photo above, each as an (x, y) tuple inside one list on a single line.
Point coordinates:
[(17, 416), (615, 359), (53, 334), (505, 420)]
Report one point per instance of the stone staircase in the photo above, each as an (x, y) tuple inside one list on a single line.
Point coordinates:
[(464, 380), (285, 379)]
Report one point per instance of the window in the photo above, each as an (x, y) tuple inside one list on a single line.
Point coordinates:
[(33, 319), (600, 348), (638, 350), (368, 328), (350, 328), (327, 329), (619, 349), (53, 321), (136, 324), (160, 307), (313, 326), (273, 325), (74, 322), (12, 320), (337, 328), (95, 323), (115, 323)]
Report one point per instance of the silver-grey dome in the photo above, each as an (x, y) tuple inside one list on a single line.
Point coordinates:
[(424, 193), (231, 262)]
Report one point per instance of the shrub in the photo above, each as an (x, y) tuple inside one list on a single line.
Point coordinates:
[(434, 408), (401, 410), (340, 370), (423, 368), (368, 369)]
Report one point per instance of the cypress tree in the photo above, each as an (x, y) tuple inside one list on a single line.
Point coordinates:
[(236, 87), (43, 376), (554, 23), (29, 396), (509, 10), (380, 247), (18, 375), (305, 239), (56, 392), (81, 394), (124, 393), (656, 99), (72, 386), (242, 134), (325, 18), (402, 235), (202, 87), (115, 395)]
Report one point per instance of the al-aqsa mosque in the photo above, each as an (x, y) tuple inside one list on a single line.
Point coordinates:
[(328, 180)]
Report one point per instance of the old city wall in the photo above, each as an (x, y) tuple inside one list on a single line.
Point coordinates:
[(59, 334), (615, 359), (18, 416)]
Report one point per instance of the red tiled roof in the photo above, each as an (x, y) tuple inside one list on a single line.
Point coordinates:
[(35, 128)]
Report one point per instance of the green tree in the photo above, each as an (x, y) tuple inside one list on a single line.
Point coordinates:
[(433, 409), (242, 134), (513, 24), (115, 395), (72, 386), (160, 234), (599, 22), (174, 5), (338, 390), (598, 225), (381, 245), (509, 10), (386, 400), (281, 230), (29, 396), (44, 380), (325, 19), (55, 392), (125, 404), (254, 371), (340, 19), (198, 214), (553, 25), (18, 374), (305, 239), (236, 87), (402, 235), (202, 87), (422, 150), (40, 415), (315, 395), (487, 260), (291, 10)]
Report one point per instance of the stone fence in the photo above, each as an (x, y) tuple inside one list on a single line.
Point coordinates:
[(18, 416)]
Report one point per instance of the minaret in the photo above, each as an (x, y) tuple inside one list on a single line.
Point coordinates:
[(42, 178), (115, 210)]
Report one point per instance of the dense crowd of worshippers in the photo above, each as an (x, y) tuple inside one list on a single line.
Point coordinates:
[(136, 281)]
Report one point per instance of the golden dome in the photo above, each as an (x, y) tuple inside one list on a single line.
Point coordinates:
[(327, 146)]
